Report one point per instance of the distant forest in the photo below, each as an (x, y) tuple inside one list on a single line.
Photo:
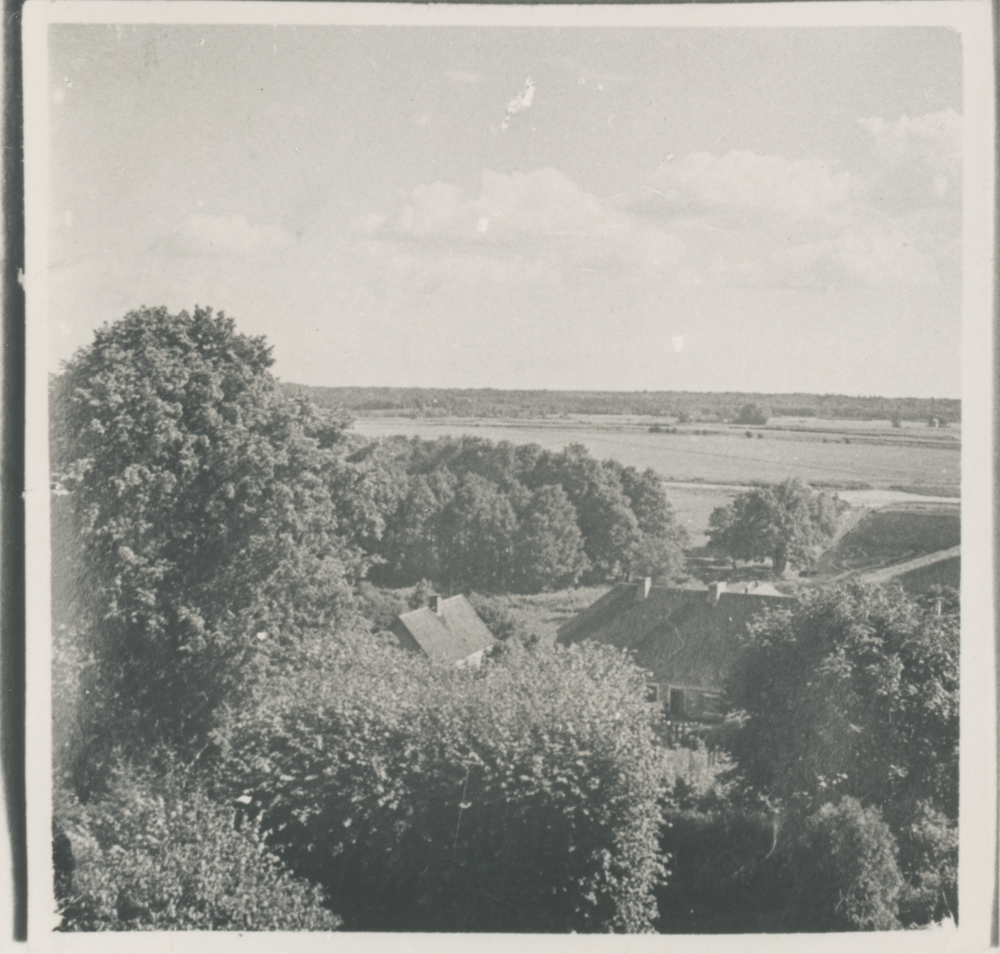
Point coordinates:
[(686, 405)]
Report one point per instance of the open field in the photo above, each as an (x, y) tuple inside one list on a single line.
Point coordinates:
[(894, 535), (834, 454)]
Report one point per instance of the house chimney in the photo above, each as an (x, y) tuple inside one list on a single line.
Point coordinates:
[(434, 604), (715, 590), (642, 593)]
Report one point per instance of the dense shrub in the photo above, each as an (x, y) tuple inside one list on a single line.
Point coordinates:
[(738, 867), (156, 853), (522, 797), (753, 414), (844, 872), (854, 693)]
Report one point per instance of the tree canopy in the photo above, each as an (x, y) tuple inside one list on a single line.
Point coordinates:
[(201, 513), (753, 413), (854, 693), (500, 517), (787, 522), (524, 797)]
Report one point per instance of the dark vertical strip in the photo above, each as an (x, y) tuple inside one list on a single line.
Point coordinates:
[(12, 595), (995, 913)]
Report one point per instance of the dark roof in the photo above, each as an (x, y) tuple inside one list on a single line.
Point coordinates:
[(679, 635), (451, 635)]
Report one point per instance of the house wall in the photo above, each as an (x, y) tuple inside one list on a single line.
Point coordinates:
[(687, 702), (473, 661)]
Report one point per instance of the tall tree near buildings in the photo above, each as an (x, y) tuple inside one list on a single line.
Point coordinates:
[(609, 527), (412, 543), (853, 693), (787, 522), (548, 548), (200, 517), (478, 530), (660, 550)]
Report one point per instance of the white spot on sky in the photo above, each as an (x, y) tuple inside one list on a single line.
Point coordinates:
[(600, 86), (519, 102), (678, 341), (484, 224)]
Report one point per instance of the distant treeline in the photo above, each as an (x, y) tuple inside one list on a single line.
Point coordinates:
[(687, 405)]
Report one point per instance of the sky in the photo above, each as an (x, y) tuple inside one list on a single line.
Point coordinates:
[(765, 209)]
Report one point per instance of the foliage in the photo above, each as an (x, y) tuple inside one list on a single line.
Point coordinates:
[(854, 692), (684, 405), (502, 617), (548, 546), (202, 515), (155, 853), (740, 867), (843, 868), (501, 518), (752, 413), (787, 522), (522, 797)]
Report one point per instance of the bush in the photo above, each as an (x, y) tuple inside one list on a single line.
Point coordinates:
[(843, 866), (753, 414), (520, 797), (156, 854)]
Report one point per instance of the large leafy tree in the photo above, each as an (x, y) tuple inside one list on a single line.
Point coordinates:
[(201, 519), (787, 522), (610, 529), (854, 693), (548, 548), (523, 797), (478, 529), (659, 551)]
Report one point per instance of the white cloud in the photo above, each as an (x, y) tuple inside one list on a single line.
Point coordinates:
[(801, 188), (225, 235), (872, 257), (920, 160), (522, 226), (935, 138)]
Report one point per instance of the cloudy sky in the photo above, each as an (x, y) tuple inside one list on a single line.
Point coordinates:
[(606, 208)]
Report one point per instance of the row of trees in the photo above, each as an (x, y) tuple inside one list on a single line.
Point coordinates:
[(500, 517), (689, 405)]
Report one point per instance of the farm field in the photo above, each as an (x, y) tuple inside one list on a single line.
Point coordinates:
[(843, 455), (893, 535)]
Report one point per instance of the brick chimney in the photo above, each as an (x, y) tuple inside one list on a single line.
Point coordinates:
[(434, 604), (642, 591), (715, 590)]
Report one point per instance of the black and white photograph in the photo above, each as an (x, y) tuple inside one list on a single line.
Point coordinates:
[(501, 470)]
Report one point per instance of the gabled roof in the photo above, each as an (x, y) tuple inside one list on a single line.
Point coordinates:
[(450, 635), (680, 635)]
